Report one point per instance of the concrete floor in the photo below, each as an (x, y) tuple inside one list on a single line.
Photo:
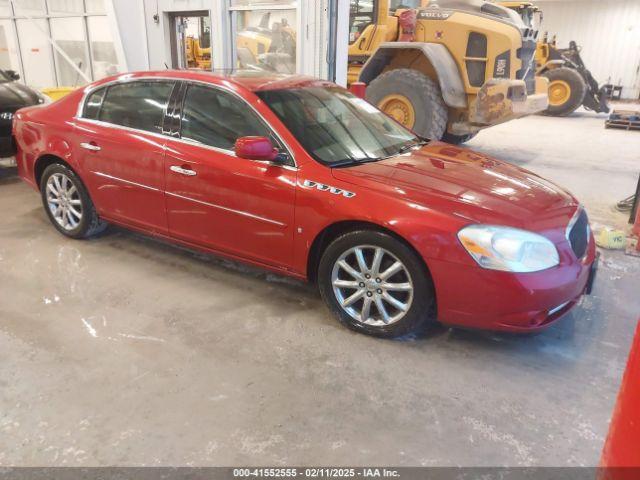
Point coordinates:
[(123, 350)]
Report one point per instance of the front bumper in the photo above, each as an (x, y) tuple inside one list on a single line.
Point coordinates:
[(473, 297), (499, 101)]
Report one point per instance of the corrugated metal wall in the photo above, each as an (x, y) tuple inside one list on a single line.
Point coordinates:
[(608, 31)]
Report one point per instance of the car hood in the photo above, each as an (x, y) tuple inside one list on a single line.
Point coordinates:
[(14, 95), (470, 185)]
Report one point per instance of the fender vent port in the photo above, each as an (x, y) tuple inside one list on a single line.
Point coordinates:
[(476, 71), (477, 45), (476, 59), (579, 234)]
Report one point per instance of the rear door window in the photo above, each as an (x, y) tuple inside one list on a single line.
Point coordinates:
[(93, 104), (140, 105), (216, 118)]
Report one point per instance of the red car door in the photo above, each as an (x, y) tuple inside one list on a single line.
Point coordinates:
[(122, 150), (215, 199)]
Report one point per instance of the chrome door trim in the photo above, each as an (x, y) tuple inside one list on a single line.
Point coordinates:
[(231, 210), (100, 174), (201, 202), (100, 123), (224, 151)]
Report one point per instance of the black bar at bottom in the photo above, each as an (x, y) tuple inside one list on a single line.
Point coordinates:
[(401, 473)]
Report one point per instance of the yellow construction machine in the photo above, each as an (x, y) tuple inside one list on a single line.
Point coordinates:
[(445, 68), (261, 47), (267, 47), (571, 84), (197, 56)]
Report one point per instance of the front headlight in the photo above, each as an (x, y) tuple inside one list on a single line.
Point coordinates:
[(508, 249)]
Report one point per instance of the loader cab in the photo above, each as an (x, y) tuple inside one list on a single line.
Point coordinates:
[(530, 14), (369, 14)]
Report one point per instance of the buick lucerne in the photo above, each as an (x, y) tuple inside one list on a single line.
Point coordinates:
[(301, 177)]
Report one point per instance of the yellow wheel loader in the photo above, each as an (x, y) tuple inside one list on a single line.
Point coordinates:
[(261, 47), (571, 84), (267, 47), (197, 57), (445, 68)]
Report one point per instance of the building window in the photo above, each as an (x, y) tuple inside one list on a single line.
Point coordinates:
[(265, 34), (35, 51), (83, 47), (69, 34)]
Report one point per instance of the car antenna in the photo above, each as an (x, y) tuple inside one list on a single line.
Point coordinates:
[(166, 66)]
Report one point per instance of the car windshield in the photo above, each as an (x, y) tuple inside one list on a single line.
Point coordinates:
[(336, 127), (4, 78)]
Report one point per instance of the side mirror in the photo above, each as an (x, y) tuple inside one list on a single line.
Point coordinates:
[(13, 75), (255, 148)]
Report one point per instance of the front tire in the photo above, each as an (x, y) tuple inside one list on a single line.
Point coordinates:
[(67, 203), (375, 284), (412, 99), (567, 90)]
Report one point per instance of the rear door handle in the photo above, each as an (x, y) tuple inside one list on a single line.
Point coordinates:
[(90, 146), (182, 171)]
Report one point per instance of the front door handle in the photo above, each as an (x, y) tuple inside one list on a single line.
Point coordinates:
[(90, 146), (182, 171)]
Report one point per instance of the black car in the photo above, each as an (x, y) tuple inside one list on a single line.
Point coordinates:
[(13, 96)]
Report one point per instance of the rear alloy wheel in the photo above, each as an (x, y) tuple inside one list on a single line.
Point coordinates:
[(67, 203), (63, 201), (567, 90), (376, 284)]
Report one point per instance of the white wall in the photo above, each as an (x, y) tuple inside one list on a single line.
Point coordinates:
[(131, 25), (608, 31)]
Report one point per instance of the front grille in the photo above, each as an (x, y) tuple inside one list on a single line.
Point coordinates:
[(6, 122), (526, 54), (579, 235)]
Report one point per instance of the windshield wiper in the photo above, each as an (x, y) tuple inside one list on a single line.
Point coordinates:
[(349, 162), (410, 146)]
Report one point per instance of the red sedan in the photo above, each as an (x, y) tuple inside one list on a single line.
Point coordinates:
[(301, 177)]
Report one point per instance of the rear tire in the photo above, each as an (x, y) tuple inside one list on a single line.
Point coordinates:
[(427, 113), (400, 283), (67, 203), (567, 90)]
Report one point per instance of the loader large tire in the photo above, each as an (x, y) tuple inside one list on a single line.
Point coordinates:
[(567, 90), (413, 99)]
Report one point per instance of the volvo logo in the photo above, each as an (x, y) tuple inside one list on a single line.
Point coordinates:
[(328, 188)]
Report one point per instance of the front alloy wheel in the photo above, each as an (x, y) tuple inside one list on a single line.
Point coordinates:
[(372, 285), (376, 284)]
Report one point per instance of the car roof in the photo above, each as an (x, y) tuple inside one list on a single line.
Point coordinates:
[(248, 79)]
